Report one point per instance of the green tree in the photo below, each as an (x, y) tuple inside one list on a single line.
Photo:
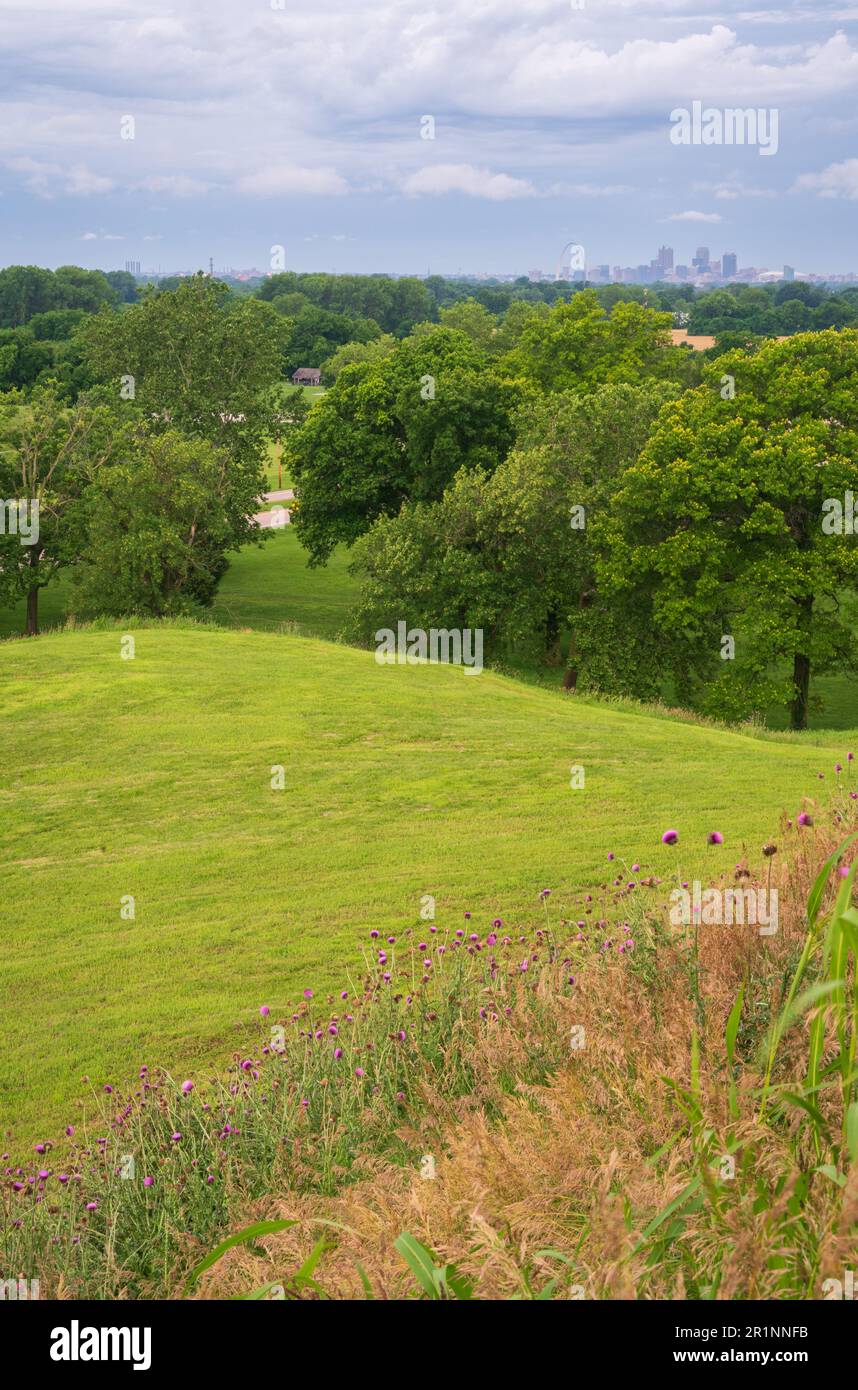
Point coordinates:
[(397, 429), (157, 528), (578, 345), (77, 288), (202, 362), (315, 333), (125, 285), (350, 353), (25, 290), (510, 552), (473, 319), (48, 452), (717, 530)]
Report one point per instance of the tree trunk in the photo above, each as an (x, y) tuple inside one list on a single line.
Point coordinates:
[(801, 681), (570, 678), (33, 611), (552, 638), (801, 670)]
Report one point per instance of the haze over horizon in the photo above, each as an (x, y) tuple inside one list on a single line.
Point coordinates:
[(257, 126)]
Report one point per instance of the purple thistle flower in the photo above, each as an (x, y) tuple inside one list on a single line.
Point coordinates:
[(715, 837), (670, 837)]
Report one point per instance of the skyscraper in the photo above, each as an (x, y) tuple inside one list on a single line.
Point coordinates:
[(729, 263), (665, 258)]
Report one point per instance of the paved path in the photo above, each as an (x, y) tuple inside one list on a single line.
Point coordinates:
[(279, 515)]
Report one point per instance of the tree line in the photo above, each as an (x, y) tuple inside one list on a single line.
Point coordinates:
[(559, 475)]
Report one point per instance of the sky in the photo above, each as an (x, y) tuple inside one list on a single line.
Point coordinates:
[(415, 136)]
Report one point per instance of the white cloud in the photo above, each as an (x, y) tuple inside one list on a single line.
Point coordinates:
[(692, 216), (178, 184), (465, 178), (589, 190), (83, 181), (283, 180), (48, 179), (162, 27), (728, 192), (835, 181)]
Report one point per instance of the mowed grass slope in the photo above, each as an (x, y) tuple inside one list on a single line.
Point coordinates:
[(152, 778), (271, 586)]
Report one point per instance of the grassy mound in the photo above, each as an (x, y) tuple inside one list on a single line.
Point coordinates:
[(151, 779)]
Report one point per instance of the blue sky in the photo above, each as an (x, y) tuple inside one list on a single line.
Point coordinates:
[(257, 126)]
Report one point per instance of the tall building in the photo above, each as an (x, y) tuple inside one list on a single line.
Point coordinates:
[(729, 264), (789, 272), (702, 255), (665, 258), (133, 267)]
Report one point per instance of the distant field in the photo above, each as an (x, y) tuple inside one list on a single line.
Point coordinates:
[(151, 778), (265, 586), (270, 585)]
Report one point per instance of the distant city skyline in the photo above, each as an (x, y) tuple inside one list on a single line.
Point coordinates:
[(701, 269)]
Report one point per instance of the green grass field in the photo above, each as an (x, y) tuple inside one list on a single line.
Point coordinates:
[(269, 585), (151, 778), (265, 587)]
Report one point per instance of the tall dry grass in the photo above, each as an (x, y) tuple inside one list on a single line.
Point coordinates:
[(647, 1165)]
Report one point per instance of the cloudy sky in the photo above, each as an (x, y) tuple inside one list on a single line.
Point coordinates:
[(302, 124)]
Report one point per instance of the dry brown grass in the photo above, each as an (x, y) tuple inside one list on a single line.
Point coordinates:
[(569, 1166)]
